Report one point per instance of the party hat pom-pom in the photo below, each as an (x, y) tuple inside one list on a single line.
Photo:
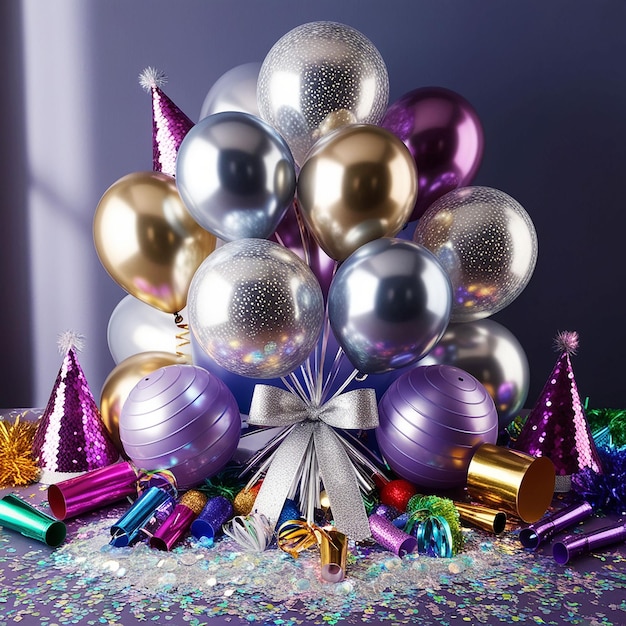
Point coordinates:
[(152, 77), (17, 463), (69, 339), (566, 341)]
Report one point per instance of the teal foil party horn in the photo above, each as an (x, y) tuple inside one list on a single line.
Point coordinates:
[(129, 527), (92, 490), (27, 520)]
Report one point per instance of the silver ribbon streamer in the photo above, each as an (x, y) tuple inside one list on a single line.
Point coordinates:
[(357, 409)]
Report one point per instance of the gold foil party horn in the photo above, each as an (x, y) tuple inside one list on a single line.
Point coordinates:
[(18, 515), (513, 481), (491, 520), (333, 555)]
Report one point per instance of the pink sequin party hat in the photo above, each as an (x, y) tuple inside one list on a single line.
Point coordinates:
[(169, 123), (71, 437), (557, 426)]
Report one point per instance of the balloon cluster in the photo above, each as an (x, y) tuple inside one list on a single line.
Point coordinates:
[(278, 232)]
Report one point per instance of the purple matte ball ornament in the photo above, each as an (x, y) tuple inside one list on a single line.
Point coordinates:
[(183, 419), (432, 419)]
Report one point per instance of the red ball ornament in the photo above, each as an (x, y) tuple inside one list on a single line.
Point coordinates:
[(397, 493)]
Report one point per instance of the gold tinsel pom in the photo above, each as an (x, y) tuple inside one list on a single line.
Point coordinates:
[(244, 500), (17, 464)]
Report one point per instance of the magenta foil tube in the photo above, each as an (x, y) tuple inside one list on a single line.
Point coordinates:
[(92, 490), (575, 545), (173, 528), (537, 533)]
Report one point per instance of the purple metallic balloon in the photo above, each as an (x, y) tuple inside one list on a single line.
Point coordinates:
[(183, 419), (293, 234), (445, 136), (432, 418)]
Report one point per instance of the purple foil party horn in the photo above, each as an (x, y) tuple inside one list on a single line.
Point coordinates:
[(92, 490), (575, 545), (537, 533), (390, 537)]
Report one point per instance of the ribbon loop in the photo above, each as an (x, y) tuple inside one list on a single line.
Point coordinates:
[(273, 406)]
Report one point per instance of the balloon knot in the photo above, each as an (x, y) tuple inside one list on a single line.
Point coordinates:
[(151, 78), (566, 341)]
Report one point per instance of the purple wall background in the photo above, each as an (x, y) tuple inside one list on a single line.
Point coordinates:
[(547, 79)]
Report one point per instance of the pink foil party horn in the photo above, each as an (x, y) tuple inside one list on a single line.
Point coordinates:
[(537, 533), (179, 522), (92, 490), (390, 537), (575, 545)]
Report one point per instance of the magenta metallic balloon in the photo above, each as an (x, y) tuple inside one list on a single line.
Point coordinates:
[(445, 136), (432, 418), (183, 419)]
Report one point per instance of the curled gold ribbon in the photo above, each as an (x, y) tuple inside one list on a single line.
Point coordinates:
[(356, 409), (295, 536)]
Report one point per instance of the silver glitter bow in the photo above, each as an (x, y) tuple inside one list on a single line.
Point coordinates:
[(313, 426)]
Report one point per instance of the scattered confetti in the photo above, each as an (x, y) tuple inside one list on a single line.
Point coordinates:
[(492, 581)]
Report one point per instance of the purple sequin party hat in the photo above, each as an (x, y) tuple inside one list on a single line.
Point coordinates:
[(169, 123), (71, 437), (557, 426)]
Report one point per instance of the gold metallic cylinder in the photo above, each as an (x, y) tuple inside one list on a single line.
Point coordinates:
[(491, 520), (514, 481), (333, 555)]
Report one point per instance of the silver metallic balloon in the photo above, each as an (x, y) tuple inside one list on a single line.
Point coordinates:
[(235, 175), (486, 242), (491, 354), (389, 304), (255, 308), (235, 90), (318, 77)]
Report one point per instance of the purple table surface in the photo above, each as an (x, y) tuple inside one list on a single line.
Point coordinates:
[(494, 580)]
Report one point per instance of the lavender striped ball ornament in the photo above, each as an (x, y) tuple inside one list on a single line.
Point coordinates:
[(432, 419), (183, 419)]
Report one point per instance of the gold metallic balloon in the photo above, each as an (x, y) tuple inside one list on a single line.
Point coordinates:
[(357, 184), (147, 240), (120, 382)]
